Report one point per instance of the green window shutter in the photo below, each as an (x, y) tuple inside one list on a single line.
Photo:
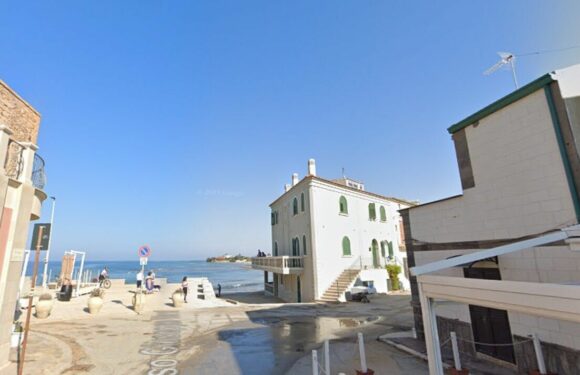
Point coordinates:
[(302, 202), (383, 248), (345, 246), (343, 205), (304, 244), (383, 214), (391, 253), (372, 212)]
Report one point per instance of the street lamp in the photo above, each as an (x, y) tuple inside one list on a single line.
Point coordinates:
[(44, 274)]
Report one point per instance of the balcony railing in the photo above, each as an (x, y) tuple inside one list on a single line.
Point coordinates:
[(38, 173), (281, 264), (14, 160)]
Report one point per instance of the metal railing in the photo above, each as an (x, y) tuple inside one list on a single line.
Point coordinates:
[(38, 173), (280, 262), (14, 159), (269, 288)]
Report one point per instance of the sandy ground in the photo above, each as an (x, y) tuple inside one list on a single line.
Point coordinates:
[(239, 334)]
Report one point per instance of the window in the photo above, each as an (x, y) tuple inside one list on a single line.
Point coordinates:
[(302, 202), (345, 246), (273, 218), (343, 205), (275, 249), (383, 214), (383, 253), (295, 206), (372, 212), (296, 247), (304, 244), (390, 245)]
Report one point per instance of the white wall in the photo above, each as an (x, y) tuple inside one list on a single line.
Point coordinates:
[(291, 226), (330, 227), (520, 182)]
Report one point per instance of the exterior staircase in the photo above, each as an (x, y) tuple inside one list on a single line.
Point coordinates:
[(340, 285)]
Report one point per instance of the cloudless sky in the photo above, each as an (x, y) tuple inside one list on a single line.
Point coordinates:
[(176, 123)]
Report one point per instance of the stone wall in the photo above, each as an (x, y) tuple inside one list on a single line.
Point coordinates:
[(18, 115), (558, 359)]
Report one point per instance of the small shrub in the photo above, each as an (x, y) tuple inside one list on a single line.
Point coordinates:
[(45, 297), (394, 270), (98, 292)]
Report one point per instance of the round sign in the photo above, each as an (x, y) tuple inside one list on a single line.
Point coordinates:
[(144, 251)]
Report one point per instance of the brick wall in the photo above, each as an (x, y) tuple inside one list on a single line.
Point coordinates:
[(18, 115)]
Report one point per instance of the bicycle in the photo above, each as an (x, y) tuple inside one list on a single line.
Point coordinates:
[(105, 283)]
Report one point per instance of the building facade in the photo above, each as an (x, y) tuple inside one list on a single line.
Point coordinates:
[(21, 193), (520, 173), (330, 235)]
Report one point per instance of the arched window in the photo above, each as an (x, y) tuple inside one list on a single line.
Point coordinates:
[(295, 206), (383, 214), (296, 247), (275, 249), (304, 244), (343, 205), (372, 212), (302, 202), (383, 252), (345, 246)]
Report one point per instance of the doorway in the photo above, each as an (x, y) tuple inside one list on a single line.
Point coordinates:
[(375, 251), (490, 326), (299, 295)]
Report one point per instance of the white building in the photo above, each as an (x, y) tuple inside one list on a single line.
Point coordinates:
[(327, 236)]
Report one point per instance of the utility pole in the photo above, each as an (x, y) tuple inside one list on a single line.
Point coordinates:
[(30, 300)]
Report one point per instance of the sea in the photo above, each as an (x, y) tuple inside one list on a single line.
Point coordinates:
[(233, 277)]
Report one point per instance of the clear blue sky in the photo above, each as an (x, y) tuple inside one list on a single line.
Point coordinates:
[(176, 123)]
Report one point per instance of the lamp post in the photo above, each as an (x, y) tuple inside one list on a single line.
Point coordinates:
[(44, 274)]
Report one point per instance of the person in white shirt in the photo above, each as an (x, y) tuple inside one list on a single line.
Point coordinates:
[(139, 279)]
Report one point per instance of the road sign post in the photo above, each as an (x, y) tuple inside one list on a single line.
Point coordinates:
[(144, 252)]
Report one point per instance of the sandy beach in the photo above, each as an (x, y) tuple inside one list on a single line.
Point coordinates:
[(244, 333)]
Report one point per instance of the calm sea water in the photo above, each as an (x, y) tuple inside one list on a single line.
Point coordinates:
[(234, 277)]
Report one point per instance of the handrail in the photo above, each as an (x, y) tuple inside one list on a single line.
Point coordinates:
[(38, 173)]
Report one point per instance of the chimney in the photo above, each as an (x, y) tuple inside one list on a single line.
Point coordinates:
[(286, 187), (294, 178), (311, 167)]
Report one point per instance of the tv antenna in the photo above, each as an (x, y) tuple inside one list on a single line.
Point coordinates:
[(507, 58)]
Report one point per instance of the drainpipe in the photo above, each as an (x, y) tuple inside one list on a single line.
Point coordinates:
[(565, 160)]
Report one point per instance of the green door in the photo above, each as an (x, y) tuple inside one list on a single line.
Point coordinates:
[(375, 250)]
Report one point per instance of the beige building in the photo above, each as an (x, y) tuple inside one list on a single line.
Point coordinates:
[(520, 172), (21, 191)]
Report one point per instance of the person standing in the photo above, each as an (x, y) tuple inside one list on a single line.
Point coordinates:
[(219, 290), (139, 279), (184, 288)]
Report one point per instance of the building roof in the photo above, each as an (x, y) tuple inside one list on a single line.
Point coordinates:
[(336, 184), (503, 102)]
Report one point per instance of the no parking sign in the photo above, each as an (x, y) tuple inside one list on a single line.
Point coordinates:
[(144, 251)]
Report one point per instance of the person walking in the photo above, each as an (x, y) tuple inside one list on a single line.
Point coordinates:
[(139, 279), (184, 288)]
